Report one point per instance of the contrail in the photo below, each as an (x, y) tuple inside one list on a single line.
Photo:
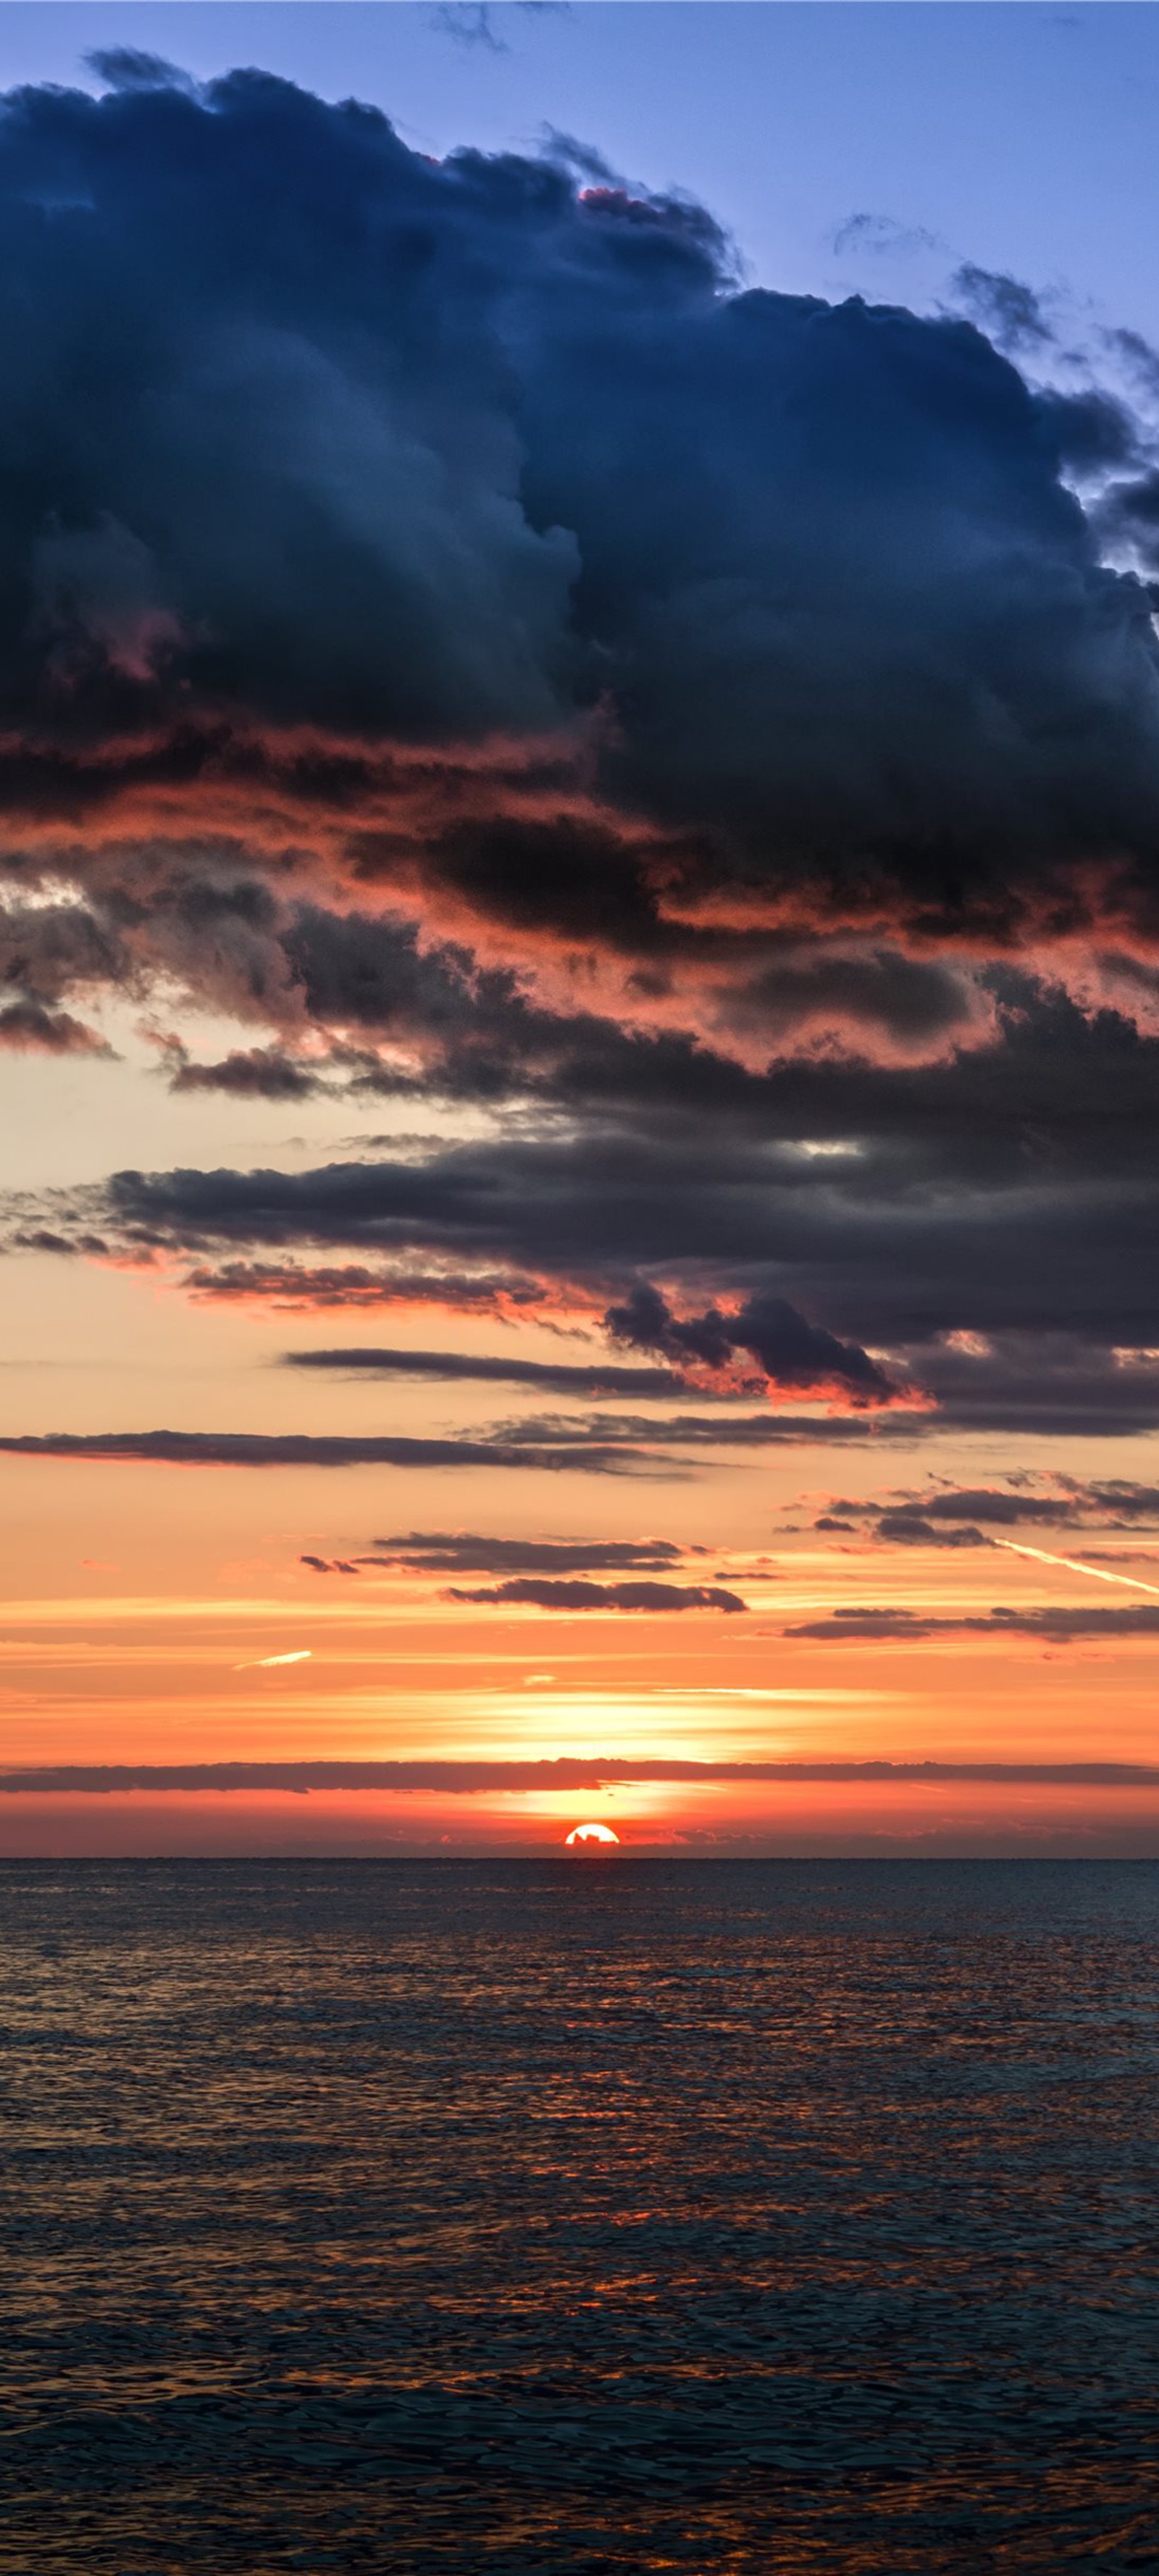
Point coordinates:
[(1075, 1566), (265, 1661)]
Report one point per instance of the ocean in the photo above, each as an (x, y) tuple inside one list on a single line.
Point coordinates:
[(580, 2215)]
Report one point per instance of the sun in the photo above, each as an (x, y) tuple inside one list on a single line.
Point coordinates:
[(589, 1834)]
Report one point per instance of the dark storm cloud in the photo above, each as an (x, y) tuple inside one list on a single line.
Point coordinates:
[(1054, 1626), (1053, 1382), (479, 1030), (579, 879), (591, 1379), (533, 1593), (1094, 434), (354, 968), (304, 430), (1063, 1092), (451, 629), (787, 1350), (991, 1241), (568, 1771)]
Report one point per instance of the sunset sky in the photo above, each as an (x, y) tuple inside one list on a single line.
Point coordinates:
[(579, 1044)]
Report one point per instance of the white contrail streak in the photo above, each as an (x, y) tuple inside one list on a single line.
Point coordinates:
[(265, 1662), (1074, 1565)]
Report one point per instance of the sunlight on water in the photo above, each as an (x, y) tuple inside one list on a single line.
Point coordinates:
[(518, 2216)]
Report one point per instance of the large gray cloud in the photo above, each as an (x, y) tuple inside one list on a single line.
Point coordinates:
[(303, 430), (994, 1257), (422, 579)]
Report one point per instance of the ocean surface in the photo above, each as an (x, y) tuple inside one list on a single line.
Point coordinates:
[(580, 2215)]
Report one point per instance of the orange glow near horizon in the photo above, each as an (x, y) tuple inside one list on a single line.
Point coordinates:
[(151, 1614)]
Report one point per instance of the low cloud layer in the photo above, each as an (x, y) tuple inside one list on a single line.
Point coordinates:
[(568, 1771), (974, 1242), (598, 1444)]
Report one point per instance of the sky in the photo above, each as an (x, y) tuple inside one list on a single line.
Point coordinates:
[(579, 929)]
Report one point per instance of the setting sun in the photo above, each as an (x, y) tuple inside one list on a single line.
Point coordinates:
[(592, 1834)]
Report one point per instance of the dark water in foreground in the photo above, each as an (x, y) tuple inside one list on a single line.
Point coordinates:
[(580, 2216)]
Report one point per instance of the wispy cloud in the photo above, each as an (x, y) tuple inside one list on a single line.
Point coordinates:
[(568, 1772)]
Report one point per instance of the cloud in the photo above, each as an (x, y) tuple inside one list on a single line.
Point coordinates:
[(321, 1449), (360, 581), (296, 1287), (911, 1529), (788, 1351), (548, 675), (27, 1027), (253, 1073), (468, 23), (568, 1771), (978, 1233), (456, 1551), (532, 1593), (922, 1208), (723, 1430), (594, 1444), (453, 1366), (463, 1551), (1054, 1626), (1008, 309), (940, 1515), (883, 235), (128, 68)]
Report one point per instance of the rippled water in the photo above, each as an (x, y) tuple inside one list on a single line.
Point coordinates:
[(580, 2216)]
